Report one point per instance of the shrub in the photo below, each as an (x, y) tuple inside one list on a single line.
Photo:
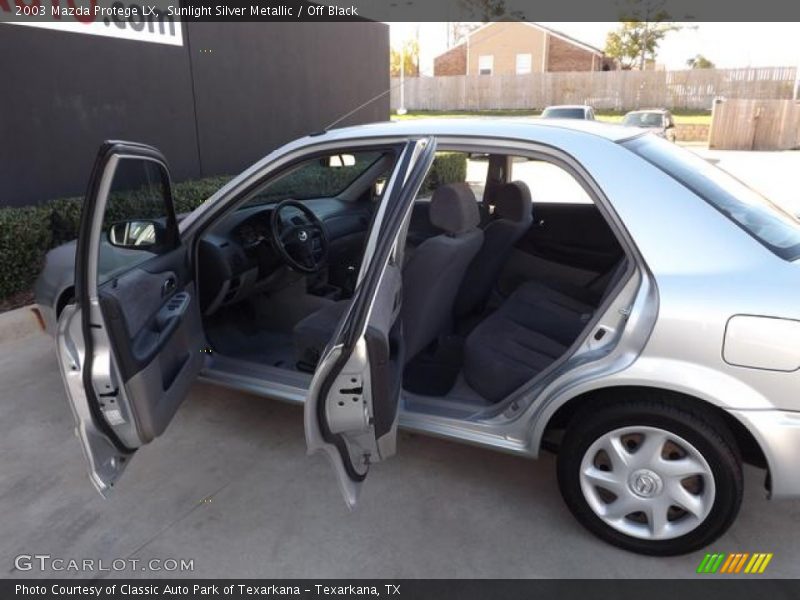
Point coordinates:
[(27, 233), (24, 238), (448, 167)]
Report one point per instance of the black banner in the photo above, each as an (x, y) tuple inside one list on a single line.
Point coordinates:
[(159, 11), (420, 589)]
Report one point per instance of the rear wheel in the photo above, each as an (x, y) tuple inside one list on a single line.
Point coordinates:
[(650, 477)]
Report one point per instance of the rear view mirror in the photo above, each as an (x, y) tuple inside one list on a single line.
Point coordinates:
[(340, 160), (136, 234)]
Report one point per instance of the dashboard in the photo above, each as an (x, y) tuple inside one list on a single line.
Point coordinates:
[(237, 257)]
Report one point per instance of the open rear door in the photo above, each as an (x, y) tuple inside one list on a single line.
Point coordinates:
[(130, 346), (352, 406)]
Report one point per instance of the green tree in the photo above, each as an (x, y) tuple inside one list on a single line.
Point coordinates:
[(408, 53), (458, 31), (642, 29), (699, 62)]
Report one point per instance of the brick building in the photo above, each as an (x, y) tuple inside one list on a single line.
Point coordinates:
[(519, 47)]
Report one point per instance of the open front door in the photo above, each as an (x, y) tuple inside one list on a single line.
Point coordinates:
[(352, 406), (131, 344)]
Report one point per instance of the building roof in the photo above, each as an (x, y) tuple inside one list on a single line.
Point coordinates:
[(549, 30)]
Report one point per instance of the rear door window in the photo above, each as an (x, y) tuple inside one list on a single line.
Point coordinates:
[(547, 182)]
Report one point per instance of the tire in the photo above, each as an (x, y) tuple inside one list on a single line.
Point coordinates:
[(687, 481)]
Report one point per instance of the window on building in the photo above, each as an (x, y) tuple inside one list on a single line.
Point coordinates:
[(524, 62), (485, 64)]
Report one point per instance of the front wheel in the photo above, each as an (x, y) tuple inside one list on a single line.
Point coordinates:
[(650, 477)]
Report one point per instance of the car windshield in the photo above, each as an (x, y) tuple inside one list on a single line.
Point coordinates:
[(322, 177), (643, 119), (761, 218), (563, 113)]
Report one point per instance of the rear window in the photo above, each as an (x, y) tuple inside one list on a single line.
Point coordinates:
[(563, 113), (765, 221)]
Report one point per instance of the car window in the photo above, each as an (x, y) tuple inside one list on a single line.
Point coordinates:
[(548, 182), (455, 167), (563, 113), (321, 177), (644, 120), (137, 205), (762, 219)]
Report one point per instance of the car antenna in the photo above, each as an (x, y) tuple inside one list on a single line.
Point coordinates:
[(325, 129)]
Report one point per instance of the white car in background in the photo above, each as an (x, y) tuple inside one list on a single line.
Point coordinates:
[(569, 111)]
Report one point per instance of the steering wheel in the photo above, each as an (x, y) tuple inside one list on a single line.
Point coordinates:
[(302, 241)]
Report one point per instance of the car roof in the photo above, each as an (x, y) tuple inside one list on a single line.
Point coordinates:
[(521, 128), (568, 106)]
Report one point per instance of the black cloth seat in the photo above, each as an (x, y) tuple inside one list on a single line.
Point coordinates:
[(312, 333), (512, 217), (531, 329), (431, 279)]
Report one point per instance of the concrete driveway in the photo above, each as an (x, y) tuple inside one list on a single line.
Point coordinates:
[(229, 486)]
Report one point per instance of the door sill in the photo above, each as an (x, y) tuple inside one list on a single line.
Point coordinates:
[(273, 382)]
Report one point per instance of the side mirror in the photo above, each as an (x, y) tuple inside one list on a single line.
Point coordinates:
[(136, 234)]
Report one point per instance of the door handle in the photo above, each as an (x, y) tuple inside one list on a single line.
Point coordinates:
[(169, 286)]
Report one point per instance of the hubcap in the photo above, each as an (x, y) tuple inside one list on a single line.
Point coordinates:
[(647, 482)]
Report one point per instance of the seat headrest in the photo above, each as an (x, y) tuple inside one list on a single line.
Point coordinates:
[(454, 208), (512, 201)]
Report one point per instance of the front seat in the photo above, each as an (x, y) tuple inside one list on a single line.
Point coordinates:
[(431, 279), (513, 216), (433, 274)]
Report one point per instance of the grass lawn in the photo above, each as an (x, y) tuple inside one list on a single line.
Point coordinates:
[(681, 117)]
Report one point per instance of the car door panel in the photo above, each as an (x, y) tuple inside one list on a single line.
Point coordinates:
[(156, 338), (568, 243), (576, 235), (351, 410)]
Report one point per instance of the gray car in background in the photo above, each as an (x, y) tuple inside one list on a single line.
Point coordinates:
[(647, 330), (657, 121)]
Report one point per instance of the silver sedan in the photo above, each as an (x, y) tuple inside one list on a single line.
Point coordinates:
[(519, 285)]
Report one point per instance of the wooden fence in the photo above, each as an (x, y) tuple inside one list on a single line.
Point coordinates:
[(693, 89), (755, 125)]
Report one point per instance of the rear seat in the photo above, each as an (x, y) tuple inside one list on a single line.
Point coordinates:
[(531, 329)]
